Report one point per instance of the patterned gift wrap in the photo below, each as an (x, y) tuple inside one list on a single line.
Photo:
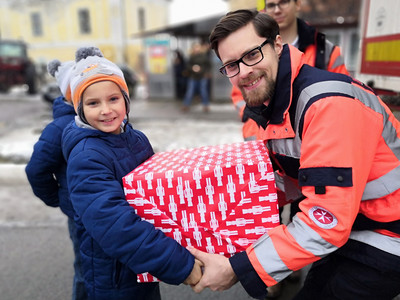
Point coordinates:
[(219, 199)]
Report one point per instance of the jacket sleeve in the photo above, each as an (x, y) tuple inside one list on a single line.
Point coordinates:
[(46, 158), (247, 276), (336, 62), (333, 174), (99, 201)]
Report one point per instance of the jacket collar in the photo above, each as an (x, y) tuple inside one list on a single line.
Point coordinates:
[(283, 88), (307, 34)]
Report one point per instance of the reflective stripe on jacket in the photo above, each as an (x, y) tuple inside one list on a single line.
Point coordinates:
[(318, 52), (335, 140)]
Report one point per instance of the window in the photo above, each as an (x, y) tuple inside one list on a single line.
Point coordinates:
[(141, 19), (84, 21), (352, 55), (36, 22), (12, 50)]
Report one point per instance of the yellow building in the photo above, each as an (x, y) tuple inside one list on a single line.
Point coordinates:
[(244, 4), (56, 28)]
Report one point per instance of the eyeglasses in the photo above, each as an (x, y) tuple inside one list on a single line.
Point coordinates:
[(250, 58), (283, 4)]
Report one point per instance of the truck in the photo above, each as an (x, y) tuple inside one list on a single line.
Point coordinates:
[(379, 60), (15, 66)]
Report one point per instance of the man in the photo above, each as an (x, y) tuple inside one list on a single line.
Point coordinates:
[(318, 51), (334, 139)]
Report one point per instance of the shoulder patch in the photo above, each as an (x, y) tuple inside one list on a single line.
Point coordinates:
[(322, 218)]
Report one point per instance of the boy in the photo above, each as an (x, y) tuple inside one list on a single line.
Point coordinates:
[(47, 167), (101, 147)]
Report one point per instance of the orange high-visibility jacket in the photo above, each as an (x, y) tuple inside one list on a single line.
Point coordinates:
[(334, 140), (318, 52)]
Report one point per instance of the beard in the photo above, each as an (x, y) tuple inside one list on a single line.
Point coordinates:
[(259, 96)]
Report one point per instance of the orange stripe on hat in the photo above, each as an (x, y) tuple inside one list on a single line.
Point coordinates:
[(97, 78)]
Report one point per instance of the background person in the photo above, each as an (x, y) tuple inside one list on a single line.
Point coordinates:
[(198, 74), (179, 64), (318, 52), (101, 147), (314, 124)]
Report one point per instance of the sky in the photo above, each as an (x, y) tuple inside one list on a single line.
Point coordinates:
[(186, 10)]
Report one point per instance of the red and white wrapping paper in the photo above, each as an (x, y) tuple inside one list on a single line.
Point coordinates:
[(219, 199)]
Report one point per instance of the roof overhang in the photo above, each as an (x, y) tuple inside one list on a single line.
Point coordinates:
[(195, 28)]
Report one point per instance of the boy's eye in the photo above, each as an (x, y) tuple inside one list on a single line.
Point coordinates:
[(91, 103)]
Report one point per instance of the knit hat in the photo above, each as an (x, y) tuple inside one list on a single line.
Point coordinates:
[(62, 73), (92, 67)]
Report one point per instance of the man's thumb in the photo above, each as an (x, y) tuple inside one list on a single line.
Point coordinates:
[(195, 252)]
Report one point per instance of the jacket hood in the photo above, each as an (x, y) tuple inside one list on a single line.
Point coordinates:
[(73, 134), (62, 108)]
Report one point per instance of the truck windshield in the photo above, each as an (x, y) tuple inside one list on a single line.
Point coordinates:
[(11, 50)]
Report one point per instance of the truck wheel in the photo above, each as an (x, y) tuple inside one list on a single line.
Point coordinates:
[(31, 80), (3, 88)]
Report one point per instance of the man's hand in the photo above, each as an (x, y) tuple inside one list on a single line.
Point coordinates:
[(218, 274), (195, 275)]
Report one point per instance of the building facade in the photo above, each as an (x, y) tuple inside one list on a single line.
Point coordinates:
[(56, 28)]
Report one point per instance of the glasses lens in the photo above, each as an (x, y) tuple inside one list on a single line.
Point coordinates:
[(253, 57), (230, 69), (284, 4), (281, 5)]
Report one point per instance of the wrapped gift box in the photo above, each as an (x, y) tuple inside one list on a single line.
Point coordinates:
[(219, 199)]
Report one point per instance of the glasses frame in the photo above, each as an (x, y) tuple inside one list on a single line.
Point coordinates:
[(283, 4), (240, 60)]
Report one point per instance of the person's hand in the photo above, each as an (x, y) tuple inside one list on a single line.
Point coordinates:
[(195, 275), (218, 274)]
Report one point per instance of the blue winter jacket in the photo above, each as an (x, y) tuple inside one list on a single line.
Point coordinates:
[(46, 170), (115, 243)]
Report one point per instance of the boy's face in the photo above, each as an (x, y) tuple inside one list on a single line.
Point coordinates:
[(257, 82), (104, 106)]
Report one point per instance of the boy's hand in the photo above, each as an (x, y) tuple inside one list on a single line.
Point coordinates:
[(196, 273), (218, 273)]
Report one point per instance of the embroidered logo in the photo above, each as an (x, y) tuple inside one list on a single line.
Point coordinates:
[(322, 217)]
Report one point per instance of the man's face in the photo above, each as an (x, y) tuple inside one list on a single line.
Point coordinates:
[(284, 14), (256, 82)]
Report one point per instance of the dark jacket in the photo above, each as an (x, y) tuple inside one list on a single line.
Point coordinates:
[(198, 66), (115, 243), (47, 167)]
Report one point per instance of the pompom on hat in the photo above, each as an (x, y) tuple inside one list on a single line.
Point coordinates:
[(62, 73), (91, 67)]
